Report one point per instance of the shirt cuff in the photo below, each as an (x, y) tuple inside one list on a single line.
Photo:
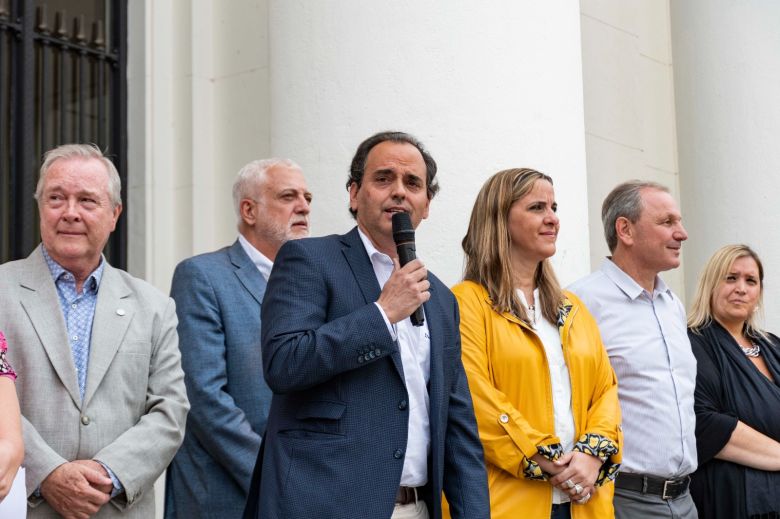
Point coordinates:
[(531, 470), (118, 488), (390, 326), (603, 448)]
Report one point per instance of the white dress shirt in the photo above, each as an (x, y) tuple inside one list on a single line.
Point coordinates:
[(414, 343), (646, 338), (559, 381), (263, 264)]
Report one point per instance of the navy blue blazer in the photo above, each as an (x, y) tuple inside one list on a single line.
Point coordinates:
[(336, 434), (218, 298)]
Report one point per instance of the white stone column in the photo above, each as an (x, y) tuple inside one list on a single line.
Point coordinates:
[(198, 111), (727, 72), (485, 87), (629, 105)]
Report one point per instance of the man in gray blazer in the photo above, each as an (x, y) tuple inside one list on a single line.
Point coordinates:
[(100, 381), (218, 297)]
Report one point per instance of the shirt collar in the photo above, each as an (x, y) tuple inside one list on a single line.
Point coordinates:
[(57, 271), (372, 251), (263, 264), (627, 284)]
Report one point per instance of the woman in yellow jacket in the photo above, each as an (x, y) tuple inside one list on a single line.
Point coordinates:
[(544, 393)]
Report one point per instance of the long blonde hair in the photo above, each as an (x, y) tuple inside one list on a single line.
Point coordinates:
[(711, 276), (487, 245)]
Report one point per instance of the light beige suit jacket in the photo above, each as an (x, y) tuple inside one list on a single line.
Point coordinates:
[(133, 413)]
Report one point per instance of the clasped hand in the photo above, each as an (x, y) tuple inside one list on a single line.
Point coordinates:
[(405, 291), (77, 489), (574, 473)]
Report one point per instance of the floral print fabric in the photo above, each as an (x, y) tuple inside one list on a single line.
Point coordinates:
[(5, 368)]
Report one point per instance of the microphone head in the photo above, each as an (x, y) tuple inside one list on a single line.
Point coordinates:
[(403, 232)]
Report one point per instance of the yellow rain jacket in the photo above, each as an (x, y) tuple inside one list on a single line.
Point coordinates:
[(510, 385)]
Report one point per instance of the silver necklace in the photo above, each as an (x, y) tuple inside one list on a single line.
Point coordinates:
[(753, 351), (532, 312)]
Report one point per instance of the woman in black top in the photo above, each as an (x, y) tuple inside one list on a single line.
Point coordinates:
[(737, 391)]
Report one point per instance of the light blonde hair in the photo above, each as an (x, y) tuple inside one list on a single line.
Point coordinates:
[(713, 273), (487, 245)]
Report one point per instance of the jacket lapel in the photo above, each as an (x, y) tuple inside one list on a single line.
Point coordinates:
[(247, 272), (358, 261), (41, 303), (357, 258), (113, 313), (434, 318)]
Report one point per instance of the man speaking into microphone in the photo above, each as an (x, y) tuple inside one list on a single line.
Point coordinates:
[(371, 415)]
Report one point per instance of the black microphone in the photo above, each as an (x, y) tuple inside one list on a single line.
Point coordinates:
[(403, 236)]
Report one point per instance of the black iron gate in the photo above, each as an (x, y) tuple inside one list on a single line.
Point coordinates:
[(63, 79)]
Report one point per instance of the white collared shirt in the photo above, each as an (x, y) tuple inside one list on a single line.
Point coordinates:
[(414, 344), (646, 338), (560, 382), (263, 264)]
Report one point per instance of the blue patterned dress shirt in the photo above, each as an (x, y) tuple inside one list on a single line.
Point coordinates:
[(78, 309)]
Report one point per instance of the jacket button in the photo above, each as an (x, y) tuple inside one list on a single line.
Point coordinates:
[(402, 405), (504, 418), (398, 454), (85, 420)]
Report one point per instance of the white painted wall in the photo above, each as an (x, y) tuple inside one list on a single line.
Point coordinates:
[(212, 88), (198, 111), (629, 106), (484, 87), (727, 72)]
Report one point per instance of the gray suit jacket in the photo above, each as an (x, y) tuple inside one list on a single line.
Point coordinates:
[(218, 298), (134, 409)]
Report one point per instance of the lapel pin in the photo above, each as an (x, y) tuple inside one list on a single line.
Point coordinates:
[(120, 311)]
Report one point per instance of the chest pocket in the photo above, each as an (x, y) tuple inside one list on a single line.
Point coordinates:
[(321, 416)]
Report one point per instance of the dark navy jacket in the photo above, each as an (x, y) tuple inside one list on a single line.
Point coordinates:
[(337, 428)]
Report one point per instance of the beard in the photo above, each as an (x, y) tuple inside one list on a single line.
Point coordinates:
[(280, 234)]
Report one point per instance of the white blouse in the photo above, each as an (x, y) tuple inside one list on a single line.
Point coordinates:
[(560, 382)]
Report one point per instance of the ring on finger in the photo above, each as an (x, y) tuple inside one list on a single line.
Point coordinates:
[(578, 488), (585, 499), (569, 483)]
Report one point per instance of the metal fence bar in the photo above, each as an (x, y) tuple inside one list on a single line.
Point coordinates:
[(56, 87), (61, 31), (44, 101), (76, 46), (22, 229), (101, 103), (42, 26), (62, 137), (4, 158), (80, 79), (3, 118), (118, 100)]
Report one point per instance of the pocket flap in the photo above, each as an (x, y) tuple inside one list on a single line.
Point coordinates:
[(321, 409)]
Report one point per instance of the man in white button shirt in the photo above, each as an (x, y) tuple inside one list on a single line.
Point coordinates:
[(371, 416), (643, 326), (218, 297)]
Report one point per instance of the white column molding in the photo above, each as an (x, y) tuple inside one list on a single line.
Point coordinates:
[(727, 68), (484, 88)]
